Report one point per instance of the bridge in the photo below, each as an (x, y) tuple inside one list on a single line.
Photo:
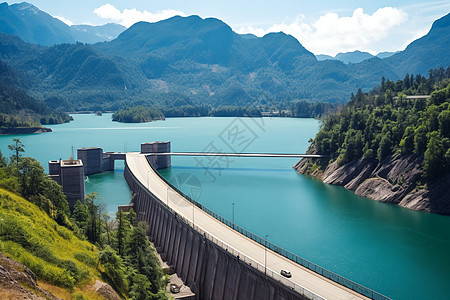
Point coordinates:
[(216, 258), (240, 154)]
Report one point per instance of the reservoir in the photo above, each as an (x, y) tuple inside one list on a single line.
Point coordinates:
[(401, 253)]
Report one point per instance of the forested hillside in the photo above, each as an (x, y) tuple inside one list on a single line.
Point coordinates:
[(69, 251), (190, 61), (387, 122), (18, 109), (390, 134), (138, 114)]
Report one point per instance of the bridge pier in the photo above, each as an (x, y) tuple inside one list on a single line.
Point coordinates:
[(70, 175), (157, 161)]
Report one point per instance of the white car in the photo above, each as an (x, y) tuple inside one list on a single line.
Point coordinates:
[(286, 273)]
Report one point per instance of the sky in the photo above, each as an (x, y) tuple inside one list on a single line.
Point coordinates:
[(322, 27)]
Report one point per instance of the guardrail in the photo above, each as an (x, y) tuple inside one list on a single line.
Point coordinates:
[(285, 253), (253, 263), (246, 259)]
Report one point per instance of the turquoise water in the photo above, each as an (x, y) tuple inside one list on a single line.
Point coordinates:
[(401, 253)]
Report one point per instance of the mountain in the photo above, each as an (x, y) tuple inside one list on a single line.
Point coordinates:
[(321, 57), (206, 41), (33, 25), (193, 61), (429, 52), (94, 34), (37, 27), (353, 57), (386, 54)]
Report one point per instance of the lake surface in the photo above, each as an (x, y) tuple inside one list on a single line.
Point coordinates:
[(401, 253)]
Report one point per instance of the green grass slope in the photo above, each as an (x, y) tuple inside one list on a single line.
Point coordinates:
[(52, 252)]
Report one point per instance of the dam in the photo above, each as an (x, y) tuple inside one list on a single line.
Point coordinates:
[(216, 258)]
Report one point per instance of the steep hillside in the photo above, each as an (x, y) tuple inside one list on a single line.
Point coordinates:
[(195, 61), (19, 282), (37, 27), (17, 108), (391, 149), (62, 263), (33, 25), (428, 52)]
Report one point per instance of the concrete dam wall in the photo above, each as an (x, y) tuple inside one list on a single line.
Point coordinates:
[(211, 271)]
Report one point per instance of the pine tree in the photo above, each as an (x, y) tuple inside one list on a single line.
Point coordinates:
[(17, 148)]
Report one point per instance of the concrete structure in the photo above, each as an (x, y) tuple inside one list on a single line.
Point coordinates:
[(285, 155), (214, 260), (92, 159), (157, 161), (70, 175), (214, 257), (96, 161)]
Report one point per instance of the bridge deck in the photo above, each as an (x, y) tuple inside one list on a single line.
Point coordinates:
[(241, 154), (321, 286)]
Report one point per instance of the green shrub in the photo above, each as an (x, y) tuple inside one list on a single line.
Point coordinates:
[(85, 258)]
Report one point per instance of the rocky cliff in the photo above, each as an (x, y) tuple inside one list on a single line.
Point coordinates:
[(393, 180), (18, 282)]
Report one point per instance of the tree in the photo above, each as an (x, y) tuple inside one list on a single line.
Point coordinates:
[(80, 215), (92, 231), (420, 140), (114, 268), (407, 142), (444, 123), (141, 288), (123, 231), (143, 258), (17, 148), (107, 227), (54, 193), (31, 177), (406, 82), (385, 146), (3, 162), (434, 157)]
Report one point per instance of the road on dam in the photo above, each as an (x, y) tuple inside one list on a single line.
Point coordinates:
[(139, 166)]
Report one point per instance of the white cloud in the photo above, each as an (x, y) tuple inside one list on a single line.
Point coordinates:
[(61, 18), (331, 34), (128, 17)]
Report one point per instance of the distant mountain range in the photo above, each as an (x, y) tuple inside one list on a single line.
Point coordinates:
[(37, 27), (191, 61), (354, 57)]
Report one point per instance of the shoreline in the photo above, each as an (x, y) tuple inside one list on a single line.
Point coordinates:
[(393, 180), (23, 130)]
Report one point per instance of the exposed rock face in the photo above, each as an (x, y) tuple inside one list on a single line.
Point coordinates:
[(393, 180), (381, 190), (105, 290), (18, 282)]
